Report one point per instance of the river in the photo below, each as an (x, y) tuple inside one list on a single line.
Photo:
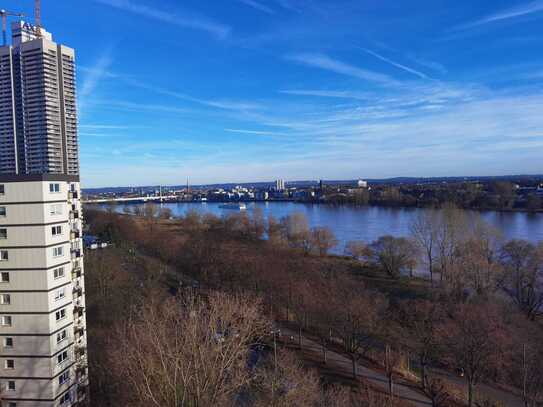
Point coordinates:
[(369, 223)]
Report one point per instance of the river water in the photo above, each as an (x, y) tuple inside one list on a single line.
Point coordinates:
[(369, 223)]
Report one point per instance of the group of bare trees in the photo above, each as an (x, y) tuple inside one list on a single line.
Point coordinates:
[(472, 259), (190, 351), (462, 322)]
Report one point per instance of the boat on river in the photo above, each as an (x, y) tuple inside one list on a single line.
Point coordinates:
[(236, 206)]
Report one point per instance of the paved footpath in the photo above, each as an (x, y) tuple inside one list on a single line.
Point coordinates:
[(376, 378), (403, 390)]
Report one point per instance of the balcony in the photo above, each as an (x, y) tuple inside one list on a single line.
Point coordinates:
[(74, 214), (78, 290), (79, 322), (80, 352), (79, 331), (73, 195), (76, 254), (75, 234), (82, 390), (76, 273), (79, 338), (79, 308)]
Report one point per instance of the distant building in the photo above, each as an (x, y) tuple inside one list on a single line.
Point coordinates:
[(362, 184), (280, 185)]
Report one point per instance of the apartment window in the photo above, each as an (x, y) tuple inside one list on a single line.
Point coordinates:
[(8, 342), (11, 404), (61, 336), (4, 277), (63, 378), (60, 314), (58, 251), (11, 385), (58, 273), (56, 230), (60, 294), (54, 188), (4, 255), (62, 357), (6, 320), (3, 211), (9, 364), (3, 233), (5, 299), (55, 209), (65, 399), (2, 189)]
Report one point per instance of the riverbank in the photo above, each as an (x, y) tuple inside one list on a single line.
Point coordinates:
[(365, 223)]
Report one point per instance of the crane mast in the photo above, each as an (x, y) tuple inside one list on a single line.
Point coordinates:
[(4, 14), (37, 17)]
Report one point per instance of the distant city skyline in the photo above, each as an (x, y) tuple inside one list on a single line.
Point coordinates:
[(259, 90)]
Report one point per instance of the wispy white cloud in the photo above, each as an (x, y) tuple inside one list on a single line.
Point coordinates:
[(224, 104), (333, 65), (396, 64), (258, 6), (519, 11), (185, 20), (342, 94), (436, 66), (255, 132), (96, 74), (104, 127), (93, 77), (287, 4), (216, 103)]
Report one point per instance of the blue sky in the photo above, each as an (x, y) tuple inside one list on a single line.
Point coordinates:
[(252, 90)]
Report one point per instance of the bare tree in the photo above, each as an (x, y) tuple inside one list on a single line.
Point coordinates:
[(475, 340), (393, 359), (189, 352), (393, 254), (137, 210), (150, 210), (358, 250), (438, 393), (165, 213), (296, 228), (276, 234), (323, 240), (523, 279), (286, 383), (358, 317), (425, 231), (257, 224), (453, 229), (532, 374), (422, 319), (476, 269)]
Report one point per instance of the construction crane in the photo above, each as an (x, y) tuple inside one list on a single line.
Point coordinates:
[(37, 17), (5, 14)]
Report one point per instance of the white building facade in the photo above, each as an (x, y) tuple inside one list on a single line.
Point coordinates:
[(43, 345)]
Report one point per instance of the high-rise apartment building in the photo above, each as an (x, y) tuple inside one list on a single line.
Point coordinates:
[(43, 360)]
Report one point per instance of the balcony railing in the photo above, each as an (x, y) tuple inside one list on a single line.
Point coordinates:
[(76, 254)]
